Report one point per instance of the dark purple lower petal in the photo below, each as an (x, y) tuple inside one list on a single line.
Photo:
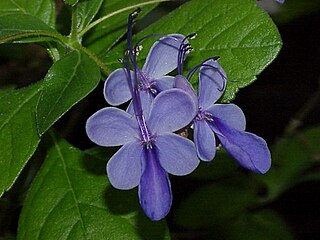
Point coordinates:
[(154, 188), (249, 150)]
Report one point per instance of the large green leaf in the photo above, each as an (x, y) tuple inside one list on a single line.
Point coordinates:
[(18, 133), (42, 9), (71, 199), (66, 83), (104, 35), (242, 34), (17, 26), (85, 12), (216, 202), (263, 225)]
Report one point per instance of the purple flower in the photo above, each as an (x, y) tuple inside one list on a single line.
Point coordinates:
[(150, 148), (160, 61), (224, 121)]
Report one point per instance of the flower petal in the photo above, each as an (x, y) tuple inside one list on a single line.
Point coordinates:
[(182, 83), (170, 111), (163, 56), (230, 114), (112, 127), (163, 83), (154, 189), (177, 155), (204, 140), (116, 90), (124, 169), (249, 150), (212, 82), (146, 98)]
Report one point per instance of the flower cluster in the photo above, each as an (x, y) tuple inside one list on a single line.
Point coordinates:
[(160, 106)]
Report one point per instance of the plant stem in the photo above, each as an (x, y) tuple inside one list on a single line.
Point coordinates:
[(93, 24), (297, 120)]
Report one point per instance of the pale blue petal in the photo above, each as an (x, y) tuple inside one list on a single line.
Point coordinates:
[(229, 114), (154, 189), (146, 99), (177, 155), (163, 56), (116, 89), (249, 150), (112, 127), (124, 169), (170, 111), (212, 82), (182, 83), (163, 83), (204, 140)]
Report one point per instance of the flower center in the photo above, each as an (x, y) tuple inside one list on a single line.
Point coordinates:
[(203, 115)]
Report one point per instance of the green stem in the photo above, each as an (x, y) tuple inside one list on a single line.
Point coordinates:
[(93, 24), (53, 35), (64, 40), (297, 120), (91, 55), (74, 31)]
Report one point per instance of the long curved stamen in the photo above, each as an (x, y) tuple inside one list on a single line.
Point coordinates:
[(133, 83), (146, 37), (193, 70), (184, 48)]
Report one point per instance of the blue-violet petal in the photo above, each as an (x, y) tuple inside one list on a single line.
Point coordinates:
[(229, 114), (204, 140), (170, 111), (116, 90), (154, 189), (124, 169), (212, 82), (112, 127), (177, 155), (163, 56), (249, 150), (182, 83)]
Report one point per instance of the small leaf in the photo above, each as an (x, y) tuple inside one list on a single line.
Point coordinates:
[(42, 9), (86, 11), (107, 33), (16, 26), (71, 199), (242, 34), (18, 133), (263, 225), (66, 83), (216, 202)]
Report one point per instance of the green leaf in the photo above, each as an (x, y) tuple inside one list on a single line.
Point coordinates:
[(216, 202), (67, 82), (85, 12), (242, 34), (18, 133), (291, 159), (101, 38), (42, 9), (263, 225), (71, 199), (17, 26)]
